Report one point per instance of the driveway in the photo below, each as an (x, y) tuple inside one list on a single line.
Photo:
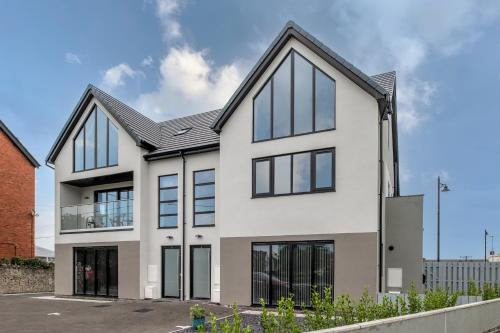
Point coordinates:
[(43, 313)]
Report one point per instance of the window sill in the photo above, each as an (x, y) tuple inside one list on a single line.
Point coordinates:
[(203, 226), (173, 227), (295, 135), (329, 190)]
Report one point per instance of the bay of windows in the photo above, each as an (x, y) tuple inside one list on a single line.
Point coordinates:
[(296, 173), (168, 201), (298, 98), (204, 198), (96, 144)]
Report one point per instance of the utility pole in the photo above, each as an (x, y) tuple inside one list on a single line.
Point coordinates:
[(485, 237)]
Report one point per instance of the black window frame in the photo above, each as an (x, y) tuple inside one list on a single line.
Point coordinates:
[(291, 244), (315, 68), (313, 188), (202, 198), (95, 248), (168, 201), (95, 108)]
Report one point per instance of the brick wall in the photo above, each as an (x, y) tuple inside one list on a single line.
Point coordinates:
[(17, 199)]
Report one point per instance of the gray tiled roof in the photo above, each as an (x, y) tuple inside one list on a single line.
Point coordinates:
[(386, 80), (141, 126), (199, 133)]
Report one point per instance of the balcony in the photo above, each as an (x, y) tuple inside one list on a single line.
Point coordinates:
[(99, 216)]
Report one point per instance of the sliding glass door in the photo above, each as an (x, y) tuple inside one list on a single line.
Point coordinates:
[(96, 271), (171, 271), (282, 269), (200, 271)]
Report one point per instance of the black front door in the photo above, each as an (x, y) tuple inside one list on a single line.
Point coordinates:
[(96, 271)]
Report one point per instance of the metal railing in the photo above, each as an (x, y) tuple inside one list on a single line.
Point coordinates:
[(108, 214)]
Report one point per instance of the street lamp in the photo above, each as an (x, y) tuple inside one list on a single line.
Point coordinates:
[(440, 188)]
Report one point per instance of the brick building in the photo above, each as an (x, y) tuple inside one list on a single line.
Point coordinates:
[(17, 197)]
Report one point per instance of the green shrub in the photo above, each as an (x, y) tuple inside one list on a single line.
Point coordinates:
[(435, 299), (387, 309), (4, 261), (16, 261), (414, 301), (35, 263), (489, 292), (228, 327), (472, 289), (366, 308), (402, 305), (196, 312), (322, 312), (283, 321), (344, 310)]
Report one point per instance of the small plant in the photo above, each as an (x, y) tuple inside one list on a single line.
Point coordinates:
[(414, 301), (197, 314), (366, 309), (344, 310), (283, 321), (472, 289), (268, 321), (229, 327), (403, 306), (489, 292), (322, 314), (16, 261), (435, 299), (4, 261)]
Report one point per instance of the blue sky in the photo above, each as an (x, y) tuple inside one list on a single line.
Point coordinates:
[(174, 57)]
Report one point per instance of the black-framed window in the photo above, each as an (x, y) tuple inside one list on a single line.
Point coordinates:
[(297, 99), (204, 198), (168, 201), (114, 207), (295, 173), (95, 271), (96, 144), (283, 268)]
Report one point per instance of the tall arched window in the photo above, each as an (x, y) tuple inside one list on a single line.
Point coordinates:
[(96, 144)]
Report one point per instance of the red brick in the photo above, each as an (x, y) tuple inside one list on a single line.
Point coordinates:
[(17, 200)]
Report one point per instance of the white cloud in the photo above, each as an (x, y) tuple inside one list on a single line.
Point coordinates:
[(72, 58), (403, 35), (146, 62), (115, 76), (190, 83), (167, 11)]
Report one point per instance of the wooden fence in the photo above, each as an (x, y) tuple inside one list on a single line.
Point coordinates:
[(454, 275)]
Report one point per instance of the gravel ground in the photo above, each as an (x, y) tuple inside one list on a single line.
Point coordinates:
[(247, 319)]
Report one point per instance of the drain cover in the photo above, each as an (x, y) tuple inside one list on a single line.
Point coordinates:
[(101, 306), (143, 310)]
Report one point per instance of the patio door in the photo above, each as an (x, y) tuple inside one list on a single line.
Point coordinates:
[(96, 271), (171, 271), (200, 271)]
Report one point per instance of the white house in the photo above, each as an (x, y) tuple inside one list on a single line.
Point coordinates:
[(294, 184)]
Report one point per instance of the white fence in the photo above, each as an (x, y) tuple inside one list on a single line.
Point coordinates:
[(454, 275)]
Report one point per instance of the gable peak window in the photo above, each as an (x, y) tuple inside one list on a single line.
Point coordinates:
[(297, 99), (96, 144)]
